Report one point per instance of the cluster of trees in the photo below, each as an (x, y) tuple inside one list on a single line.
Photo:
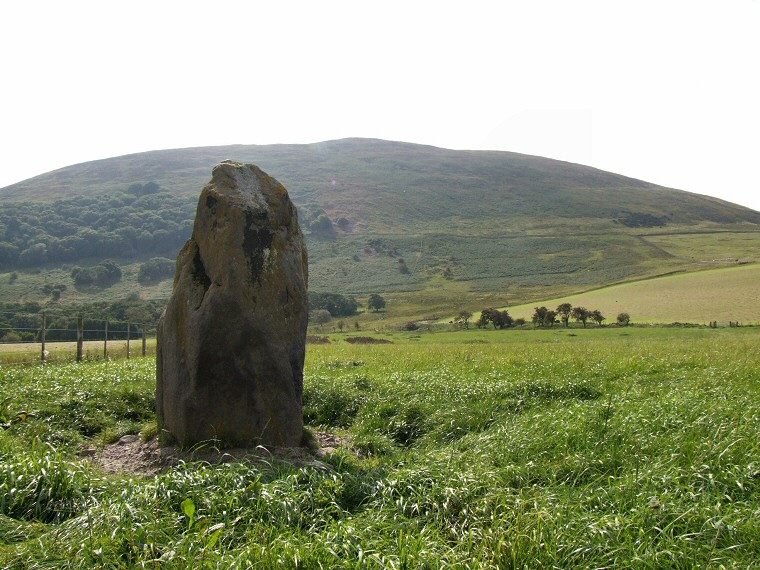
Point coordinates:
[(155, 269), (103, 274), (22, 321), (55, 291), (324, 306), (375, 303), (141, 220), (315, 220), (381, 246), (499, 319), (138, 189), (335, 304), (641, 220), (542, 317)]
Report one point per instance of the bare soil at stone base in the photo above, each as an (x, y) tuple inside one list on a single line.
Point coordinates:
[(133, 456)]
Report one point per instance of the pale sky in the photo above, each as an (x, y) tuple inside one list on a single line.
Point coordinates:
[(667, 91)]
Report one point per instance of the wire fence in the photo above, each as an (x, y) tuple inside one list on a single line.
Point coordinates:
[(42, 336)]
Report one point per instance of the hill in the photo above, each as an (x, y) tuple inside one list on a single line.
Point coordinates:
[(379, 216)]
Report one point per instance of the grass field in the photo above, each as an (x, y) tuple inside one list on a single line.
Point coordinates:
[(710, 248), (723, 295), (599, 448), (18, 353)]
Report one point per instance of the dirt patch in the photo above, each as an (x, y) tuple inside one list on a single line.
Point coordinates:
[(315, 339), (368, 340), (133, 456)]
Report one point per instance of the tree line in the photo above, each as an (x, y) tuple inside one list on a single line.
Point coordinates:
[(138, 221), (542, 317), (323, 307), (21, 322)]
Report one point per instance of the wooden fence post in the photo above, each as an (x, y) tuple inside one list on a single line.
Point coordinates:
[(43, 356), (80, 338), (144, 342), (128, 335), (105, 342)]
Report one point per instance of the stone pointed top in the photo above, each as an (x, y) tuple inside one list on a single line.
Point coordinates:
[(248, 181)]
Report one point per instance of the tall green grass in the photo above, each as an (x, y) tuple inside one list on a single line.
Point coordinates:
[(624, 449)]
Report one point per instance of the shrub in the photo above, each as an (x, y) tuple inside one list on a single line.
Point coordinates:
[(104, 274), (155, 269), (320, 317), (11, 336)]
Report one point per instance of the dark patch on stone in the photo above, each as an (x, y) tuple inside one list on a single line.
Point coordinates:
[(199, 274), (256, 240)]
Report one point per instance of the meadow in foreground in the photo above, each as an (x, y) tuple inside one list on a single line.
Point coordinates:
[(622, 448)]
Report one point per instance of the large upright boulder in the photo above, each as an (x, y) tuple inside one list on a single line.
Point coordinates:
[(231, 342)]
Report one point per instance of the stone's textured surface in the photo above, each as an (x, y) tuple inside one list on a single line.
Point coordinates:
[(231, 342)]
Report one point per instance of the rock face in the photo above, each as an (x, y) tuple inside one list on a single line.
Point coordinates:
[(231, 342)]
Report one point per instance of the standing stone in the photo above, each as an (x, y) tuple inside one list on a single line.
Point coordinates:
[(231, 342)]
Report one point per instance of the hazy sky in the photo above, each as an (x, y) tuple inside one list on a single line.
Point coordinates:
[(667, 91)]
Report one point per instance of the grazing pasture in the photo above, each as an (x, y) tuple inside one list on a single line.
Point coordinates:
[(723, 295), (620, 448), (28, 353)]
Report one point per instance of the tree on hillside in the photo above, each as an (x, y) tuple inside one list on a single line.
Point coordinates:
[(155, 269), (581, 314), (499, 319), (375, 303), (503, 319), (463, 318), (36, 254), (320, 317), (8, 255), (543, 317), (322, 225), (564, 311), (538, 316), (597, 317), (623, 319), (138, 189), (338, 305), (103, 274)]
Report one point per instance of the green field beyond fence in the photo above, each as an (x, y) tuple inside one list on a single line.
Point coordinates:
[(43, 337), (603, 448)]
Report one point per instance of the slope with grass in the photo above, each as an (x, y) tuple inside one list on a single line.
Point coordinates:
[(384, 216), (611, 448), (722, 295)]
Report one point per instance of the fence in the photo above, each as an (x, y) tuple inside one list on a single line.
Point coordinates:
[(45, 329)]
